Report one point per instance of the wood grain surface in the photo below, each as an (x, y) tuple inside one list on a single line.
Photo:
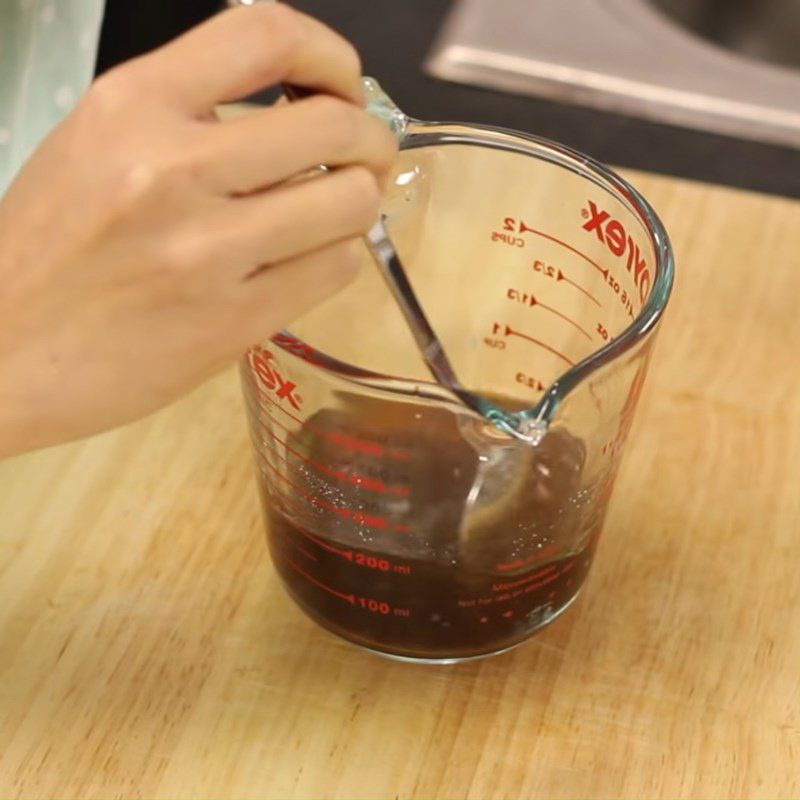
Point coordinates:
[(147, 648)]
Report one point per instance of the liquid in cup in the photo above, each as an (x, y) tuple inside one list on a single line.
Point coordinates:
[(395, 518)]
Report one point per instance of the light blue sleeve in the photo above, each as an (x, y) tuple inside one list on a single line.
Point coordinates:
[(47, 56)]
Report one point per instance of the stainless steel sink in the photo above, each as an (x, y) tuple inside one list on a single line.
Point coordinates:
[(768, 30), (717, 65)]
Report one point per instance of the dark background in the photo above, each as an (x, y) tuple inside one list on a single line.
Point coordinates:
[(394, 36)]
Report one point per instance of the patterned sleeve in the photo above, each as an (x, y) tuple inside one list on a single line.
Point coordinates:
[(47, 56)]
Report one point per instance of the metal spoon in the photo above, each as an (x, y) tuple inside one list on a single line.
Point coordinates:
[(380, 245)]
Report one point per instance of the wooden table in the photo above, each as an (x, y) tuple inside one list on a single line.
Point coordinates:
[(146, 647)]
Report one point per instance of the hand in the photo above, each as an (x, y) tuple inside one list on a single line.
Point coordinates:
[(146, 244)]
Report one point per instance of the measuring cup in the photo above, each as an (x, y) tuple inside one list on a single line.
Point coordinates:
[(396, 517)]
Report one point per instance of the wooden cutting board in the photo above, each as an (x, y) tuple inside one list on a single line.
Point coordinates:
[(147, 649)]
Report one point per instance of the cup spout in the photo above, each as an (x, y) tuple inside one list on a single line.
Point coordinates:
[(381, 106)]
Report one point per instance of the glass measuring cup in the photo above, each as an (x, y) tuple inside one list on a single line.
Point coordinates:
[(397, 518)]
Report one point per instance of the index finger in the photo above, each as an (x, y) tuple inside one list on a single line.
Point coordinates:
[(244, 50)]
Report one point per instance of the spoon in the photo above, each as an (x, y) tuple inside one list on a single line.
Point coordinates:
[(384, 253)]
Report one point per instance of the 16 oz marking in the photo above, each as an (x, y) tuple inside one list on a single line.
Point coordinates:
[(624, 297)]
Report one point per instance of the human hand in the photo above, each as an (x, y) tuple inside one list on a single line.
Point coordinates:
[(146, 244)]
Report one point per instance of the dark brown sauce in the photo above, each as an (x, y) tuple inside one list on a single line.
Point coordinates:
[(429, 612), (365, 528)]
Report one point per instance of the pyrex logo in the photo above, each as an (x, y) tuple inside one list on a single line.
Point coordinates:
[(612, 233), (266, 368)]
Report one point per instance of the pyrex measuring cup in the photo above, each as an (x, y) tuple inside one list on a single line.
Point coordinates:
[(397, 518)]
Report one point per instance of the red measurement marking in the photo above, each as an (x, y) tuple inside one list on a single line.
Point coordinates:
[(551, 549), (484, 619), (336, 473), (304, 551), (525, 229), (530, 587), (363, 482), (348, 554), (367, 519), (511, 565), (262, 407), (349, 597), (263, 455), (370, 520), (352, 442), (400, 528), (282, 458), (372, 562), (372, 484), (508, 614), (531, 300), (562, 277), (294, 505), (531, 383), (535, 302), (504, 587), (511, 332), (310, 497), (293, 543)]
